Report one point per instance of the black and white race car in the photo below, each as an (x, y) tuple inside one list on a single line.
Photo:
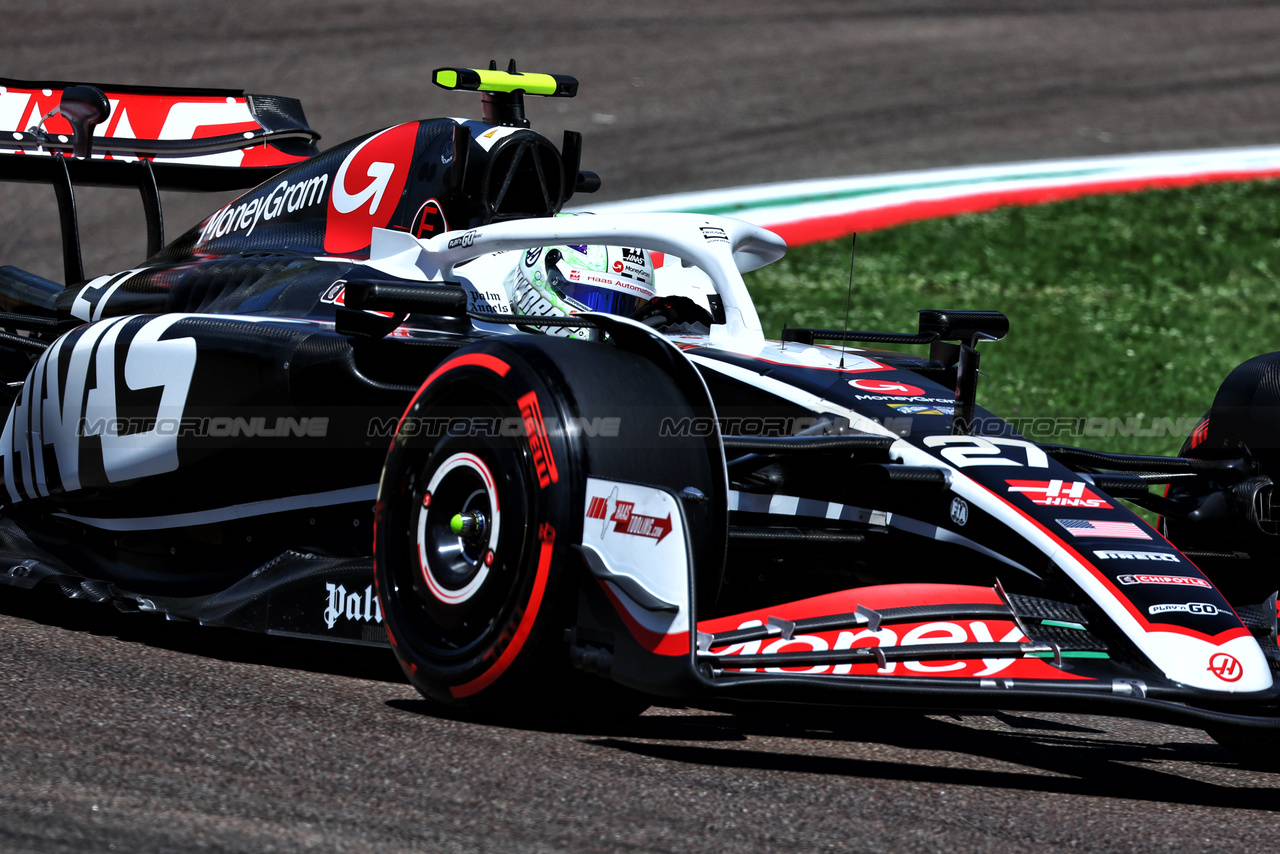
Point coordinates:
[(316, 414)]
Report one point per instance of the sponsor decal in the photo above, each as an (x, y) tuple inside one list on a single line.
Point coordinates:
[(531, 257), (334, 294), (598, 508), (1108, 554), (631, 265), (367, 187), (487, 302), (885, 398), (71, 421), (1189, 608), (618, 285), (921, 409), (887, 387), (624, 518), (284, 198), (543, 463), (575, 275), (463, 241), (1059, 493), (91, 300), (627, 521), (711, 234), (1113, 530), (429, 220), (1225, 667), (959, 631), (1182, 580), (357, 607), (959, 511)]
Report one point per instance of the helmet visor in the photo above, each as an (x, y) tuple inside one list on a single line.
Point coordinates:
[(598, 298)]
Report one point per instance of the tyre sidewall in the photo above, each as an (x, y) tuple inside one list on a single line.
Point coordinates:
[(535, 471)]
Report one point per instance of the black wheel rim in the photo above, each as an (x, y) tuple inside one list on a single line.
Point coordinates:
[(460, 592)]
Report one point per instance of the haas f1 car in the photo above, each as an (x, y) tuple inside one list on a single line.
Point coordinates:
[(321, 412)]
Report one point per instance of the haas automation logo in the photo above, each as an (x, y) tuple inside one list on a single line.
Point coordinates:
[(367, 188)]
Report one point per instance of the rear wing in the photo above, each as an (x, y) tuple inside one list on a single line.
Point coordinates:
[(195, 139), (144, 137)]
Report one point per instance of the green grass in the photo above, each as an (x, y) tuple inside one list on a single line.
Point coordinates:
[(1131, 306)]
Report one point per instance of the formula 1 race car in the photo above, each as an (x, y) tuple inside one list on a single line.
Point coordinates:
[(320, 412)]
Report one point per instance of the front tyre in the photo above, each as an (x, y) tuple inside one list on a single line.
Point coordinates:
[(468, 560), (1254, 748), (482, 501)]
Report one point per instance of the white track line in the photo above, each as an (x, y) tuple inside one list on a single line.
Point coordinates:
[(823, 209)]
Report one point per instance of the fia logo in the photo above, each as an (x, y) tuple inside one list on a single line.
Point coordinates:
[(959, 511)]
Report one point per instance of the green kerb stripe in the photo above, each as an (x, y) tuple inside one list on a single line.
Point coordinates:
[(834, 195)]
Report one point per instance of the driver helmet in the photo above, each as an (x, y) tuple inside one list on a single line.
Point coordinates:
[(560, 281)]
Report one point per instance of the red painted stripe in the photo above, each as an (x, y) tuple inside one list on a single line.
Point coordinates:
[(484, 680), (480, 360), (813, 230)]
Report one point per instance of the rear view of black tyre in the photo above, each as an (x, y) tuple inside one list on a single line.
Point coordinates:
[(1236, 535), (482, 500)]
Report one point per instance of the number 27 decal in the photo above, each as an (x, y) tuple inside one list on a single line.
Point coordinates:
[(962, 451)]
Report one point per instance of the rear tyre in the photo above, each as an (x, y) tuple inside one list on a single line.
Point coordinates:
[(1239, 516)]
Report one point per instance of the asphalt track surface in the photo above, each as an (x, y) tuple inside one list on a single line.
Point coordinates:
[(124, 733)]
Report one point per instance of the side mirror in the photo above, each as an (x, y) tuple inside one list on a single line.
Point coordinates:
[(83, 107)]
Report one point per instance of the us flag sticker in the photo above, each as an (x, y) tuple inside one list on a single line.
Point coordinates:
[(1114, 530)]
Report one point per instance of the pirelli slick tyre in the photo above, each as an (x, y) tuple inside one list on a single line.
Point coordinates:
[(481, 501)]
